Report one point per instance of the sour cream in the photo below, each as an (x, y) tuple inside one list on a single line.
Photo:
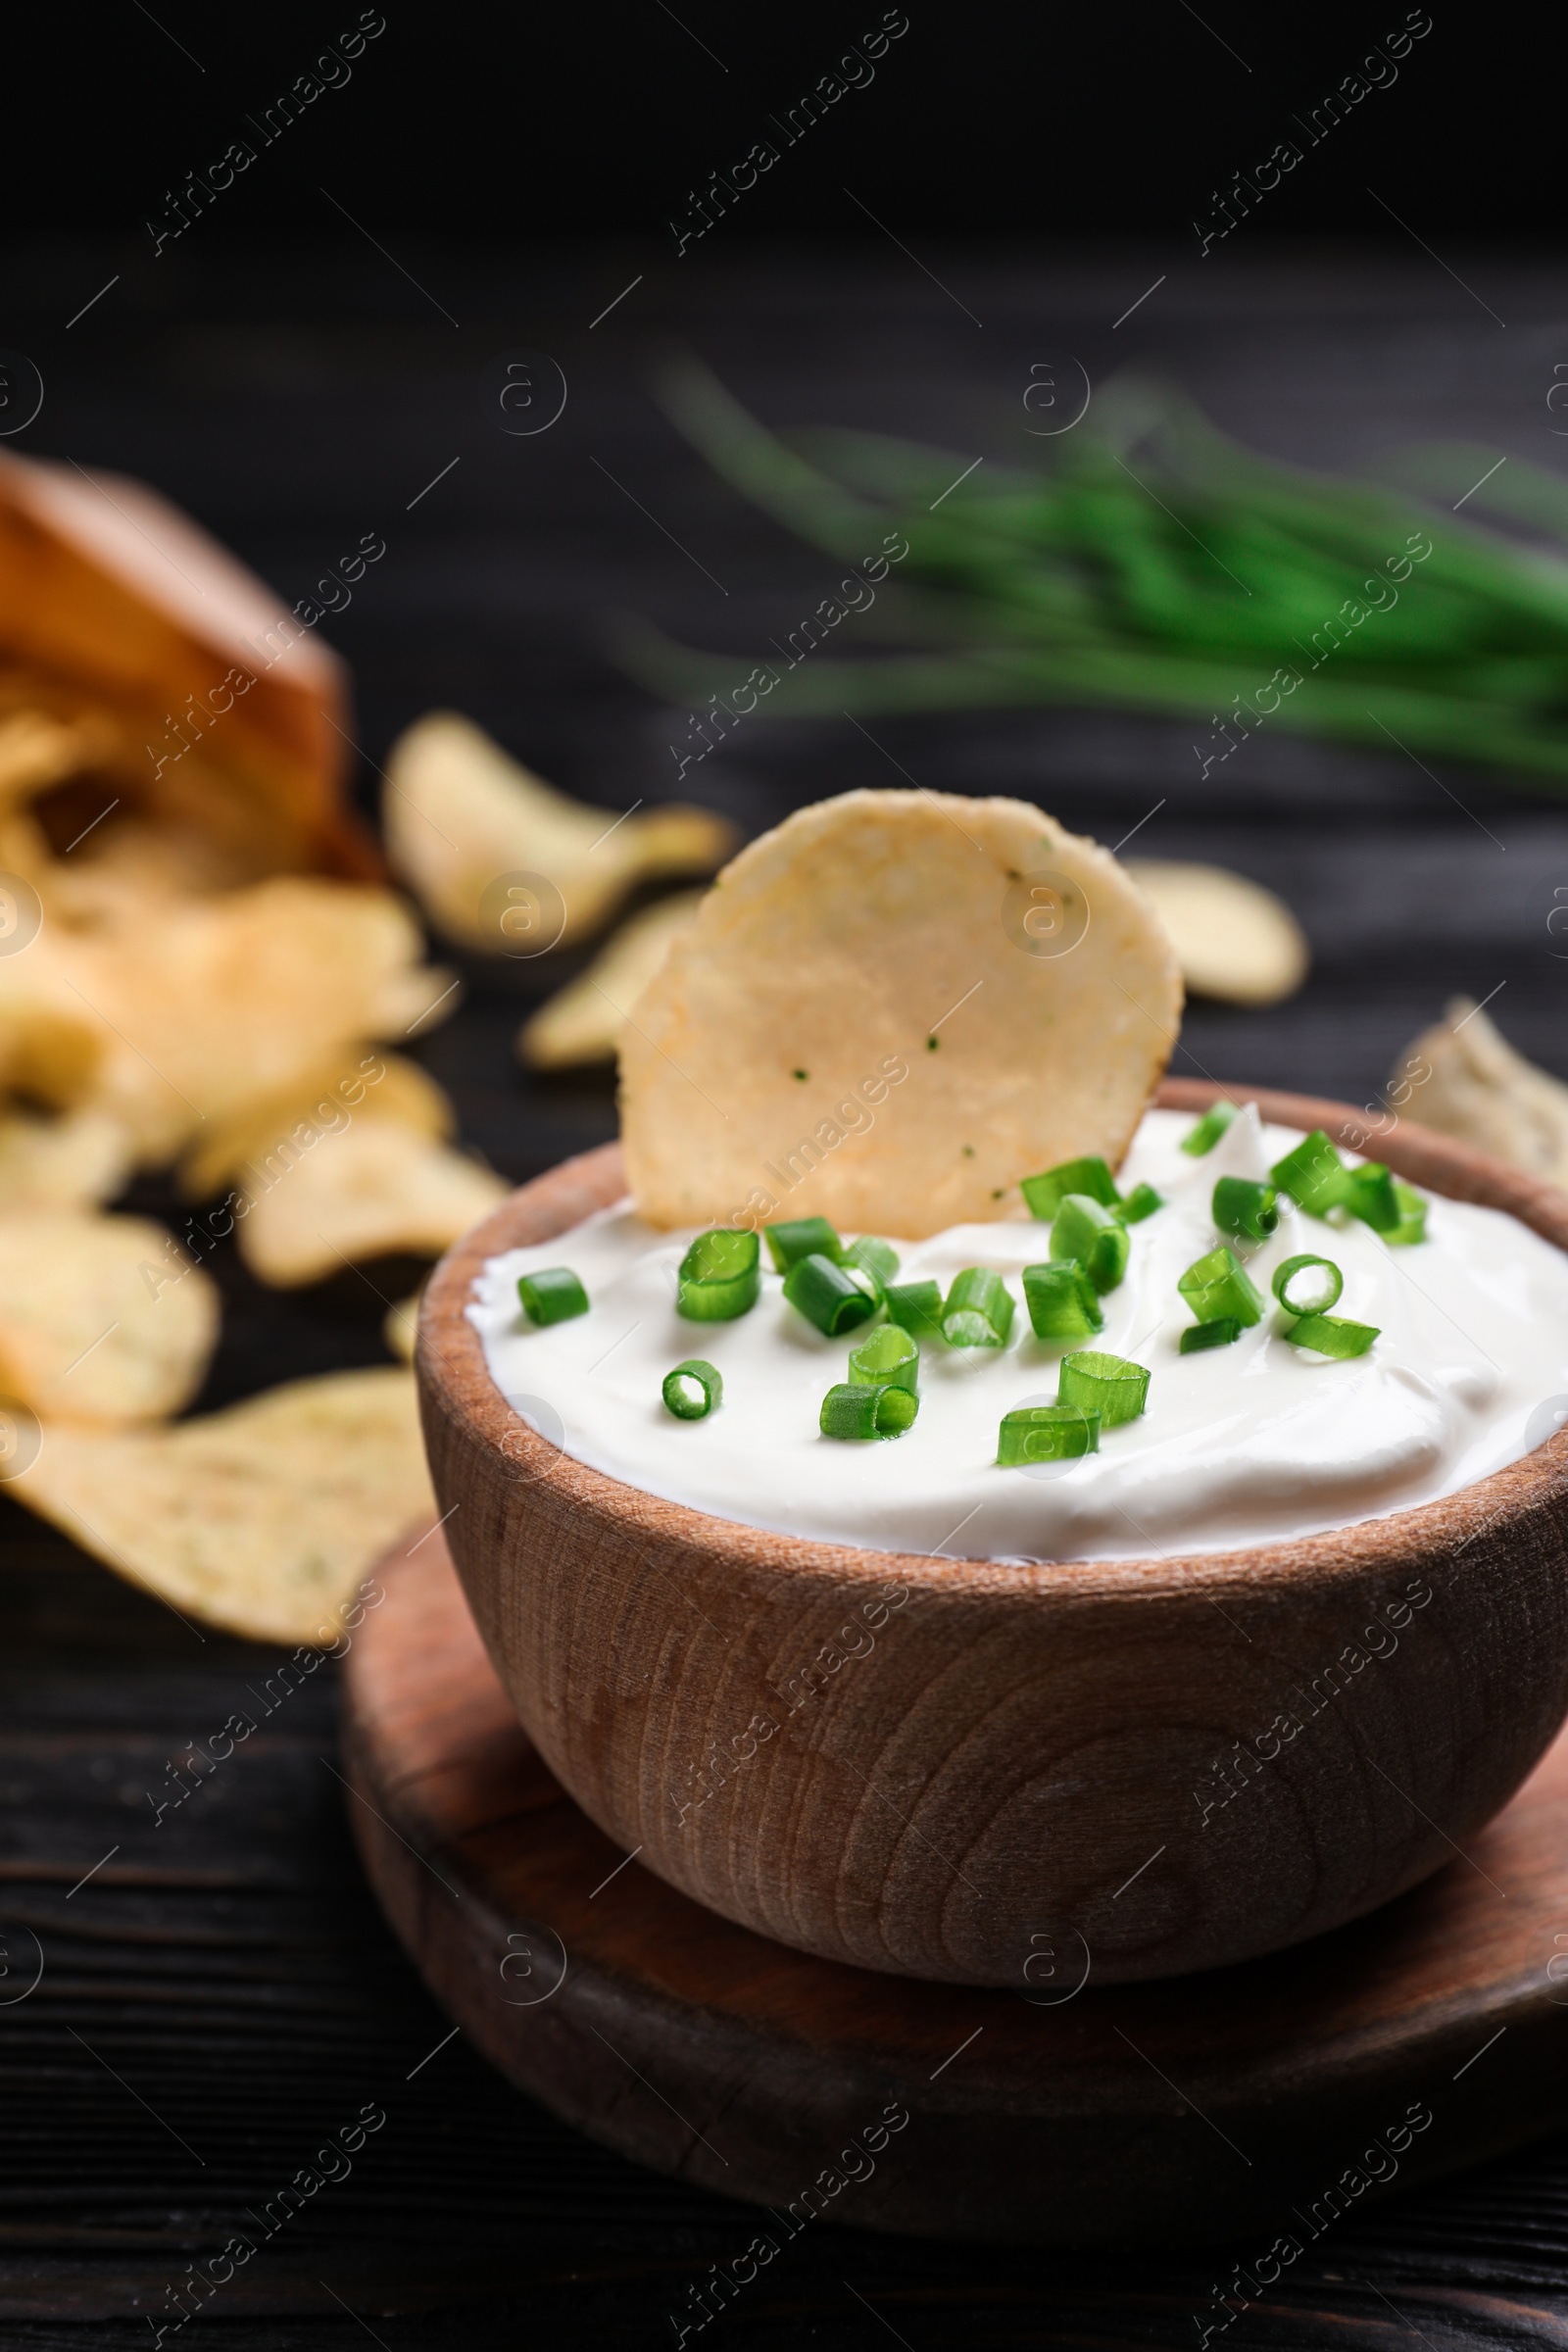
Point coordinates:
[(1238, 1445)]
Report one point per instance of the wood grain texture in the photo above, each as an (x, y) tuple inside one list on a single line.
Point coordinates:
[(1026, 1751), (1189, 2110)]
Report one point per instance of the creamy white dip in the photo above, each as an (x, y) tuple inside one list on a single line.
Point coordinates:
[(1238, 1444)]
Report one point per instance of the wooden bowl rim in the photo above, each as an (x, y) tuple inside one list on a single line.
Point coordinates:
[(453, 1374)]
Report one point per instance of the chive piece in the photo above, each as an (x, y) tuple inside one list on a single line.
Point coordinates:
[(832, 1297), (880, 1257), (1313, 1174), (857, 1410), (694, 1389), (799, 1237), (978, 1310), (1249, 1210), (1218, 1286), (1371, 1196), (1221, 1333), (553, 1295), (1063, 1301), (720, 1276), (1331, 1335), (1045, 1433), (1108, 1384), (1085, 1230), (917, 1308), (1323, 1293), (886, 1359), (1045, 1194), (1412, 1225), (1208, 1130), (1140, 1202)]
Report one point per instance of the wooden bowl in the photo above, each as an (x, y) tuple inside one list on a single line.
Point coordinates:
[(1032, 1771)]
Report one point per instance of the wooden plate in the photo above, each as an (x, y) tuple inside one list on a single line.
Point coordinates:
[(1268, 2098)]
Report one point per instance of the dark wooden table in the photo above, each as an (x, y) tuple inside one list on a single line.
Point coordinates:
[(220, 1994)]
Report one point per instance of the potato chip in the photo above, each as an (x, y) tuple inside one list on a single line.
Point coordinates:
[(581, 1022), (124, 871), (37, 750), (204, 1005), (1463, 1078), (74, 821), (463, 820), (101, 1318), (400, 1326), (1234, 940), (272, 1131), (261, 1519), (379, 1187), (889, 1010), (77, 1161), (52, 1043)]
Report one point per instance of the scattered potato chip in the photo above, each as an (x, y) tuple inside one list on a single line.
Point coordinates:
[(379, 1186), (400, 1326), (1234, 940), (77, 1161), (52, 1046), (271, 1132), (581, 1022), (261, 1519), (101, 1318), (460, 816), (1463, 1078), (889, 1009), (195, 1009)]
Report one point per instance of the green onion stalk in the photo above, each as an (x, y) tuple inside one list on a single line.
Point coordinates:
[(1155, 566)]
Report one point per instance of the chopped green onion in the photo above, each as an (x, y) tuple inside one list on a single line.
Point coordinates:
[(1221, 1333), (1249, 1210), (553, 1295), (1108, 1384), (1331, 1335), (1313, 1174), (1045, 1433), (886, 1359), (1218, 1287), (1371, 1196), (1412, 1225), (917, 1307), (1045, 1194), (860, 1411), (800, 1237), (720, 1276), (1208, 1130), (1140, 1202), (693, 1390), (1086, 1231), (978, 1310), (834, 1298), (880, 1257), (1288, 1285), (1063, 1301)]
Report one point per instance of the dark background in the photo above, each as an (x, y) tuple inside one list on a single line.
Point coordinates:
[(1031, 125), (297, 375)]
